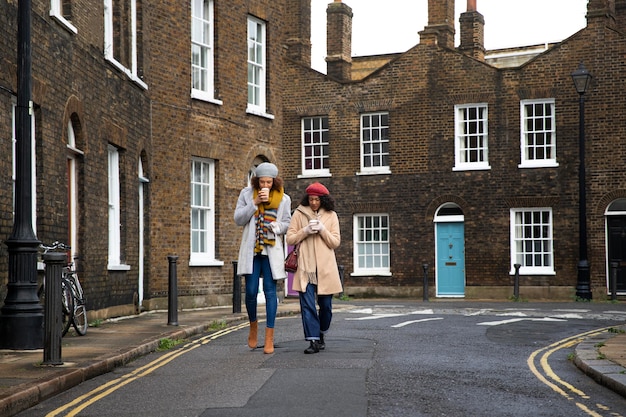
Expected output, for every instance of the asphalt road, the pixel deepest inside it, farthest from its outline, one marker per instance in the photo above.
(395, 359)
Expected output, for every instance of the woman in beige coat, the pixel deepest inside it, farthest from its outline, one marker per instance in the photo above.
(315, 226)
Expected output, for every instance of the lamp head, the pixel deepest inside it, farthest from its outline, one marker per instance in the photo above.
(582, 79)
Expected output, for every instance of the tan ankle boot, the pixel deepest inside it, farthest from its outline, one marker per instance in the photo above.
(269, 340)
(252, 336)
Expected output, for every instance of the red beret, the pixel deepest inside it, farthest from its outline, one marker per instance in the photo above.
(317, 189)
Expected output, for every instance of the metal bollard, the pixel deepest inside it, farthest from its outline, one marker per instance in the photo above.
(53, 314)
(516, 281)
(236, 290)
(425, 289)
(341, 272)
(614, 266)
(172, 293)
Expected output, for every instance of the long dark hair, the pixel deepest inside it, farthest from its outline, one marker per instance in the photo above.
(277, 184)
(326, 202)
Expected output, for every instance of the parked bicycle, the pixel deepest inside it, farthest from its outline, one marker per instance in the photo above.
(73, 297)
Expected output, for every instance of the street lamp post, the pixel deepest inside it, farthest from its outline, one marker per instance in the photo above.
(582, 79)
(21, 317)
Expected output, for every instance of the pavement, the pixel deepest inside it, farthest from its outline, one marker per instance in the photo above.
(25, 380)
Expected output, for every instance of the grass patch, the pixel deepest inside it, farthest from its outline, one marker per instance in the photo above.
(167, 343)
(95, 323)
(217, 325)
(615, 330)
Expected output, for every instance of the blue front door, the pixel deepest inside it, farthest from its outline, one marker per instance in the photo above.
(450, 273)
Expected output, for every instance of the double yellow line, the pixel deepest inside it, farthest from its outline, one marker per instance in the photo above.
(85, 400)
(552, 380)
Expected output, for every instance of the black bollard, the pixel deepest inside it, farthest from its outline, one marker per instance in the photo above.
(172, 294)
(516, 281)
(53, 313)
(341, 272)
(236, 290)
(425, 289)
(614, 266)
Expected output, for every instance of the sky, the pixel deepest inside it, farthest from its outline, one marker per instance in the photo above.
(390, 26)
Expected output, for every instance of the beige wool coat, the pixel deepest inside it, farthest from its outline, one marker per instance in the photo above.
(317, 251)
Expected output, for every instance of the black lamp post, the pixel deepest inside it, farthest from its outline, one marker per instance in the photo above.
(582, 79)
(21, 317)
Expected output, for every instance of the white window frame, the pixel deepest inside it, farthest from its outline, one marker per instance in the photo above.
(371, 250)
(202, 51)
(56, 13)
(109, 55)
(382, 131)
(537, 235)
(533, 162)
(115, 225)
(72, 172)
(471, 137)
(257, 67)
(315, 145)
(202, 213)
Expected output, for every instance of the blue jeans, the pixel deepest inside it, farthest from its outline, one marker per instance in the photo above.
(261, 266)
(313, 323)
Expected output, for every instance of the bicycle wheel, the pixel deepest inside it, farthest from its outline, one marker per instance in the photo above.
(67, 301)
(80, 311)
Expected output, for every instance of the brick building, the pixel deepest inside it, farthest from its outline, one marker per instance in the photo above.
(441, 155)
(448, 157)
(147, 123)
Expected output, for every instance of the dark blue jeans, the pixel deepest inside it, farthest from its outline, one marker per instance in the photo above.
(313, 323)
(261, 266)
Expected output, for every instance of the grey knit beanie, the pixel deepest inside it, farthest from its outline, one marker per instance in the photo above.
(266, 169)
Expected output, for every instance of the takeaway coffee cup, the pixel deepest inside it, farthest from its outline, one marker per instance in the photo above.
(265, 194)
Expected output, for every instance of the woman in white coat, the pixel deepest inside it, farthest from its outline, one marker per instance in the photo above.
(264, 211)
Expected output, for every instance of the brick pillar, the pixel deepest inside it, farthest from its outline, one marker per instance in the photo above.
(339, 41)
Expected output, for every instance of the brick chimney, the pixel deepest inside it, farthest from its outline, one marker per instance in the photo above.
(339, 41)
(472, 32)
(298, 38)
(601, 12)
(440, 29)
(620, 14)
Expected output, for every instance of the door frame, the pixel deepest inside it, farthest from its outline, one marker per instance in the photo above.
(616, 208)
(448, 213)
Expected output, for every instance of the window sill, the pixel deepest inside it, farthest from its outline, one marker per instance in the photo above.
(530, 271)
(118, 267)
(205, 262)
(315, 175)
(133, 77)
(546, 164)
(64, 22)
(477, 167)
(260, 113)
(371, 274)
(202, 96)
(381, 171)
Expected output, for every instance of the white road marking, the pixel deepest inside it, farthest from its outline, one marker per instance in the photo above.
(406, 323)
(497, 323)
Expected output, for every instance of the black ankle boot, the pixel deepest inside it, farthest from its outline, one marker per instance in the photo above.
(321, 345)
(314, 347)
